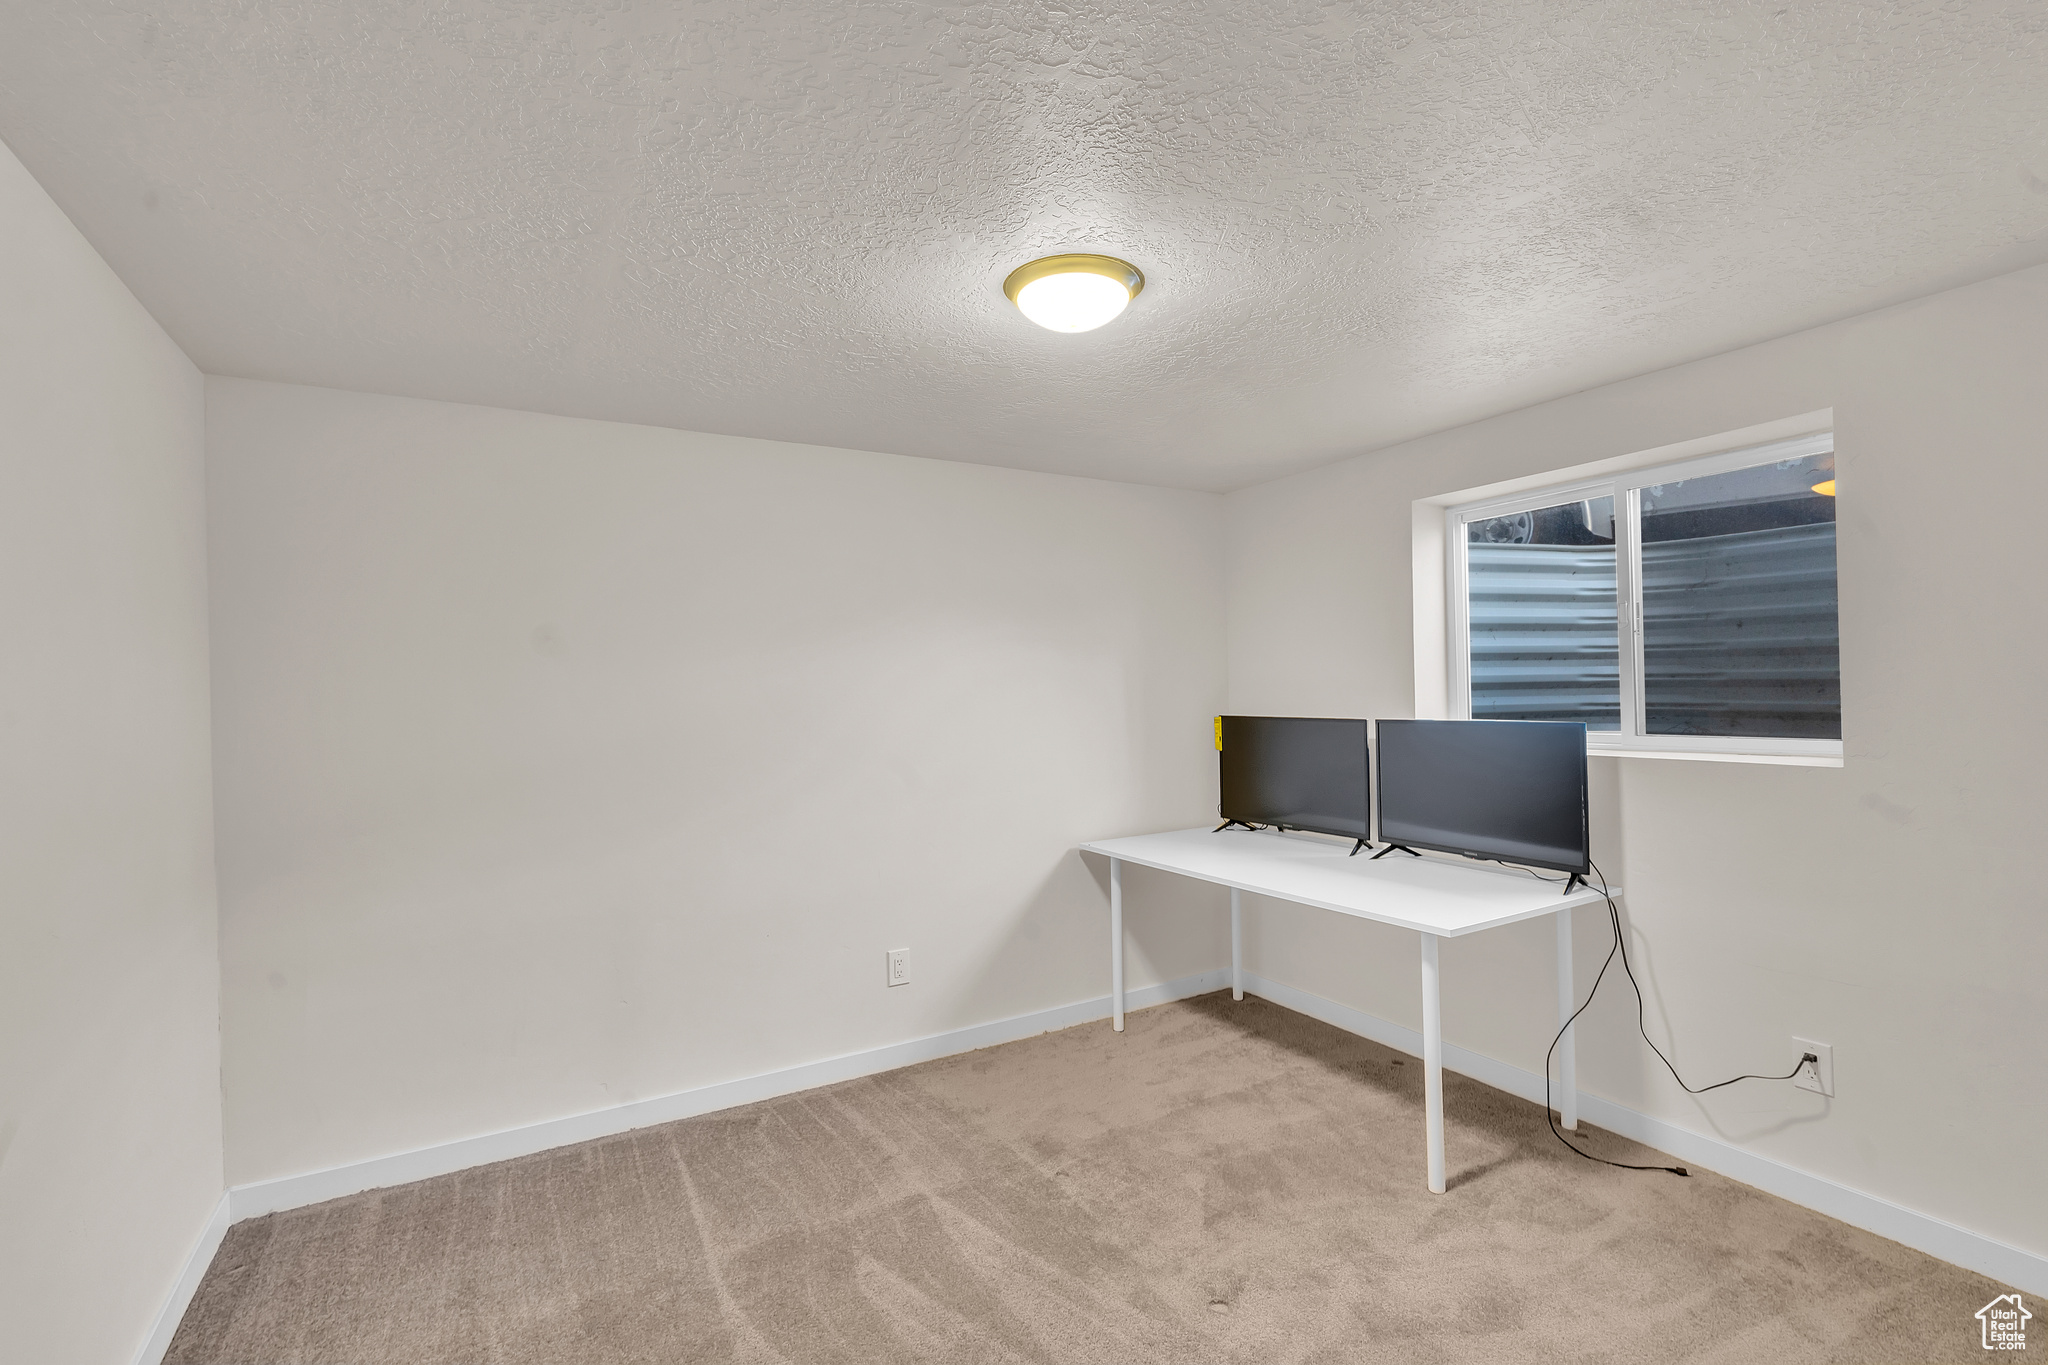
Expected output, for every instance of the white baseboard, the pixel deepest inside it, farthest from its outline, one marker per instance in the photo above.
(173, 1312)
(1959, 1246)
(2011, 1265)
(402, 1168)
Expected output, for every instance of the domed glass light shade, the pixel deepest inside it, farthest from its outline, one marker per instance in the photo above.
(1073, 293)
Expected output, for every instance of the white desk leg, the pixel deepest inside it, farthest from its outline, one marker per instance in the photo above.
(1116, 944)
(1567, 1053)
(1236, 946)
(1433, 1064)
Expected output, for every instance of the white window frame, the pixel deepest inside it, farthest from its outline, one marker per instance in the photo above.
(1626, 489)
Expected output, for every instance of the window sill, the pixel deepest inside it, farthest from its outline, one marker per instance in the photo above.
(1790, 760)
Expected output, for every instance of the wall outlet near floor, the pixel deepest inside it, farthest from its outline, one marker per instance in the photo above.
(899, 966)
(1818, 1075)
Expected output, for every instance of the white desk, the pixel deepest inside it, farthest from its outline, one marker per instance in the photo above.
(1435, 897)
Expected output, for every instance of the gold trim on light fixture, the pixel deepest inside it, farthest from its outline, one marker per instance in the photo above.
(1074, 263)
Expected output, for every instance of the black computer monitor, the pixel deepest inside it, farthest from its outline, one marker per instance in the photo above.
(1509, 790)
(1293, 772)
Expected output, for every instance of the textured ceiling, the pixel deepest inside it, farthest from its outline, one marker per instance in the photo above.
(1358, 221)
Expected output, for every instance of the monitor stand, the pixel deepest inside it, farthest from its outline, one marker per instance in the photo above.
(1357, 846)
(1575, 880)
(1249, 829)
(1391, 847)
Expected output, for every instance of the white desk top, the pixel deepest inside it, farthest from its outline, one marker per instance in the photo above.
(1429, 894)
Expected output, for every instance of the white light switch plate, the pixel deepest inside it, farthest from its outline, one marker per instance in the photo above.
(899, 966)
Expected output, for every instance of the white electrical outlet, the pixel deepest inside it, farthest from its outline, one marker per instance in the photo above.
(1819, 1074)
(899, 966)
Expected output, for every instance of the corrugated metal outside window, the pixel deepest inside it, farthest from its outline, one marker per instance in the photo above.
(1740, 634)
(1543, 635)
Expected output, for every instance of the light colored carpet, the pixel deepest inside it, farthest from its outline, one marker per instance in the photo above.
(1224, 1182)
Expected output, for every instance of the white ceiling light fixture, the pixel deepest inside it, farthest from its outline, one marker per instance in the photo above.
(1075, 292)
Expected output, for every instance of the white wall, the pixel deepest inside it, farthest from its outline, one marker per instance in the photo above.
(565, 763)
(110, 1152)
(1891, 907)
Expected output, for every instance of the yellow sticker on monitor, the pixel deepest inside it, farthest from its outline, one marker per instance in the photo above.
(1219, 732)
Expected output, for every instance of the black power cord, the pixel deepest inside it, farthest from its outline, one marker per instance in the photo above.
(1620, 947)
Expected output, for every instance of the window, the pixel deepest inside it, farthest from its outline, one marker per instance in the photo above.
(1688, 609)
